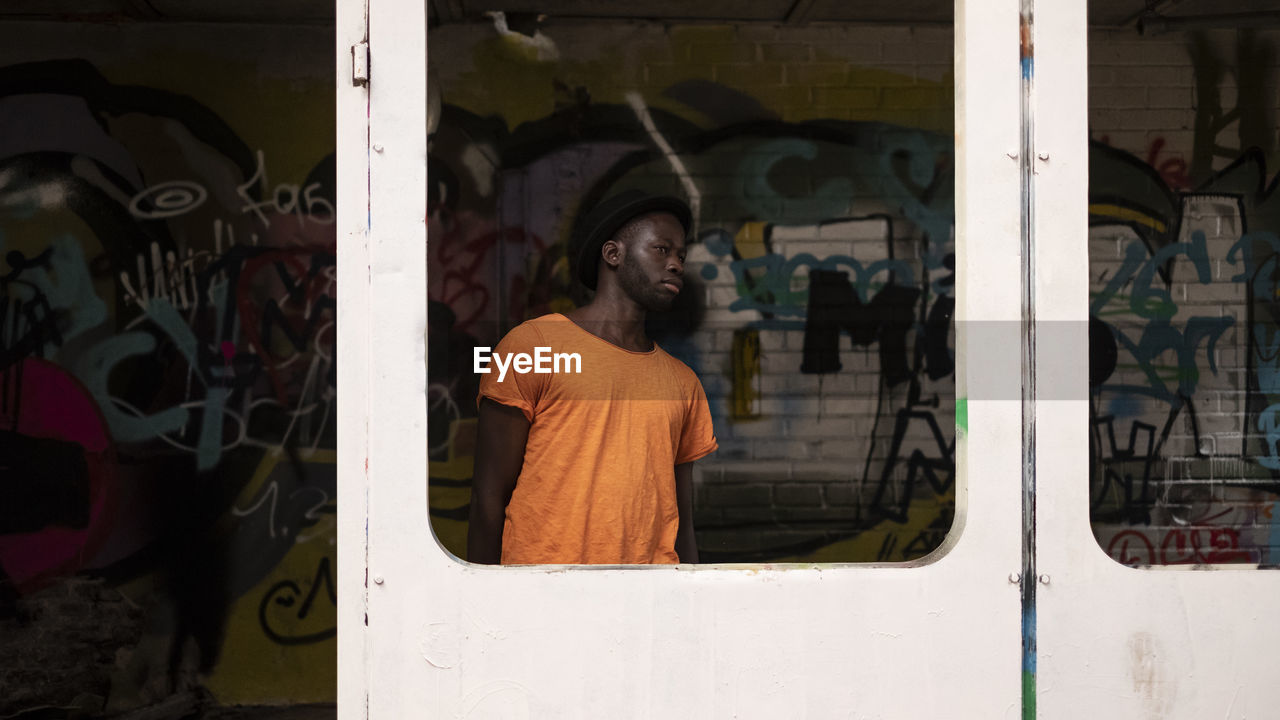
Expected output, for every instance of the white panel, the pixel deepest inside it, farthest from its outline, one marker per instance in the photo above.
(1115, 642)
(445, 639)
(352, 109)
(403, 639)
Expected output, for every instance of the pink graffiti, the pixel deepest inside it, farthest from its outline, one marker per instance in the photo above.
(51, 404)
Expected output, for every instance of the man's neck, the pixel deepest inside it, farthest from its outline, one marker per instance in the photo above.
(616, 320)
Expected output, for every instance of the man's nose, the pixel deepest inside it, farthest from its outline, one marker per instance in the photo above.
(675, 264)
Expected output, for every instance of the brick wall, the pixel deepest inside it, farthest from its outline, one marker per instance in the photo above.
(167, 469)
(830, 149)
(805, 150)
(1182, 256)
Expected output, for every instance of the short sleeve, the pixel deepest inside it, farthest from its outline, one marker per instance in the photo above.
(518, 390)
(698, 438)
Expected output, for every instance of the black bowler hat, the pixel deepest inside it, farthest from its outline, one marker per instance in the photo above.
(608, 217)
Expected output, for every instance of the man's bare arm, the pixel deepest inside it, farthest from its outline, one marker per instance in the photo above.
(501, 433)
(686, 542)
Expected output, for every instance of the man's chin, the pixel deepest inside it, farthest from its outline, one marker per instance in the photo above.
(663, 304)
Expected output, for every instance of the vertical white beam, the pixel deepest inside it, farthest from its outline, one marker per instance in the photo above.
(399, 537)
(1115, 642)
(352, 348)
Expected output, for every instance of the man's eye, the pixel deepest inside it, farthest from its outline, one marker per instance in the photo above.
(662, 250)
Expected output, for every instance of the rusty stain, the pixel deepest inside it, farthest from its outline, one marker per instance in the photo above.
(1024, 28)
(1149, 680)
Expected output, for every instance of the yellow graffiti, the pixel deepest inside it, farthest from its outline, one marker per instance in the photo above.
(507, 80)
(866, 545)
(1124, 214)
(749, 241)
(255, 669)
(746, 374)
(286, 116)
(449, 489)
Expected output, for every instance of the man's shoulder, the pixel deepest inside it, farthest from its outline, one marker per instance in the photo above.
(540, 321)
(550, 319)
(678, 368)
(533, 329)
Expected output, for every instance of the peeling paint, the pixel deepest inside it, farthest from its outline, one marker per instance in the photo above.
(501, 698)
(441, 645)
(1027, 227)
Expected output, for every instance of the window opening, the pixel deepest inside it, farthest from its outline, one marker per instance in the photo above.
(1184, 400)
(817, 308)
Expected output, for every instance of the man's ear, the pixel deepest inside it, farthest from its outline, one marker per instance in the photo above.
(611, 251)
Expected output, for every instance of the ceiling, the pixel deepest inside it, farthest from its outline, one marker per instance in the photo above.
(273, 12)
(1102, 13)
(1105, 13)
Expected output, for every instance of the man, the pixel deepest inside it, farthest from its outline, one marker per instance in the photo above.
(595, 466)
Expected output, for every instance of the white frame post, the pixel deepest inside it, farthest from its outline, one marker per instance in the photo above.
(352, 353)
(423, 635)
(1115, 642)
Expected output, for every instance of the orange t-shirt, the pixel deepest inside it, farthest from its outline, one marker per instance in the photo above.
(598, 480)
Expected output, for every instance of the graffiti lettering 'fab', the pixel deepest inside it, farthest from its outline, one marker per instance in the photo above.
(541, 362)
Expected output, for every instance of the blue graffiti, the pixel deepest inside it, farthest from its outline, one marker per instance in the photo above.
(1269, 424)
(1244, 247)
(66, 286)
(1156, 304)
(130, 425)
(1266, 352)
(871, 168)
(1147, 301)
(831, 199)
(95, 372)
(772, 292)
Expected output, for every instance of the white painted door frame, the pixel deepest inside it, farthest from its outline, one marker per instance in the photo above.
(1115, 642)
(352, 350)
(423, 635)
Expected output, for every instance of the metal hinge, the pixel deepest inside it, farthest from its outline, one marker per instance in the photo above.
(360, 64)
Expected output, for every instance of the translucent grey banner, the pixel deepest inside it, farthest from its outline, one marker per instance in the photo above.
(798, 356)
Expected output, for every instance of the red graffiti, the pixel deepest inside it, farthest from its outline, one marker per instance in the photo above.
(1173, 170)
(463, 268)
(1131, 548)
(287, 304)
(1204, 545)
(1192, 545)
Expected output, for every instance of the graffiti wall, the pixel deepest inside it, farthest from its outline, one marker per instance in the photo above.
(1183, 253)
(819, 286)
(167, 289)
(818, 162)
